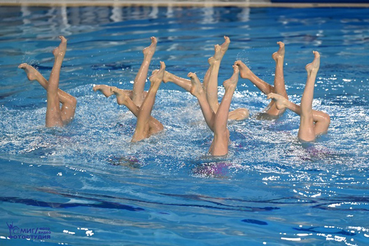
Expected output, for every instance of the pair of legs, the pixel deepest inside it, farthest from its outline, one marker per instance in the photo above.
(312, 122)
(137, 94)
(279, 86)
(139, 102)
(146, 124)
(210, 82)
(216, 120)
(56, 115)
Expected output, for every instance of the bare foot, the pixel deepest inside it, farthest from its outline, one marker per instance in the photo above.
(61, 49)
(122, 96)
(196, 88)
(245, 72)
(239, 114)
(168, 77)
(31, 72)
(220, 50)
(225, 44)
(105, 89)
(232, 81)
(280, 101)
(280, 53)
(313, 67)
(158, 75)
(150, 50)
(212, 61)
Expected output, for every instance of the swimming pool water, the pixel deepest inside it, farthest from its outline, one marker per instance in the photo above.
(86, 184)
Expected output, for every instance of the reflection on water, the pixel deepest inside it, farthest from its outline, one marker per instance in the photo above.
(63, 18)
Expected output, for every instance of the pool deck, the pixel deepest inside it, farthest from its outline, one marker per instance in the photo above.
(189, 3)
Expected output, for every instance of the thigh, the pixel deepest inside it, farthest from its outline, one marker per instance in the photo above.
(306, 129)
(238, 114)
(155, 126)
(322, 121)
(53, 113)
(68, 110)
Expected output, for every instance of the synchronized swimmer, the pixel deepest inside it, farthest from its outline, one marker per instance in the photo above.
(139, 102)
(61, 106)
(271, 111)
(55, 115)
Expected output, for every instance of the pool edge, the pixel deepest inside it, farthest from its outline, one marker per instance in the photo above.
(163, 3)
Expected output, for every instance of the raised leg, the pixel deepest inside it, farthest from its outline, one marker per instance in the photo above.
(306, 130)
(139, 82)
(221, 117)
(182, 82)
(219, 52)
(210, 82)
(279, 85)
(220, 143)
(246, 73)
(53, 113)
(108, 91)
(217, 122)
(142, 128)
(198, 91)
(104, 89)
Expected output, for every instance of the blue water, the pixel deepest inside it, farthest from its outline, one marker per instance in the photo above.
(86, 184)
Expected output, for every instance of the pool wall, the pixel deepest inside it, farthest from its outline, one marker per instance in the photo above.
(200, 3)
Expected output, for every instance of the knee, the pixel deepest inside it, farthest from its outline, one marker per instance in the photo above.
(244, 113)
(73, 102)
(239, 114)
(327, 118)
(321, 118)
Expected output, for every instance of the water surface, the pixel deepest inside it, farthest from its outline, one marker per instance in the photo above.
(86, 184)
